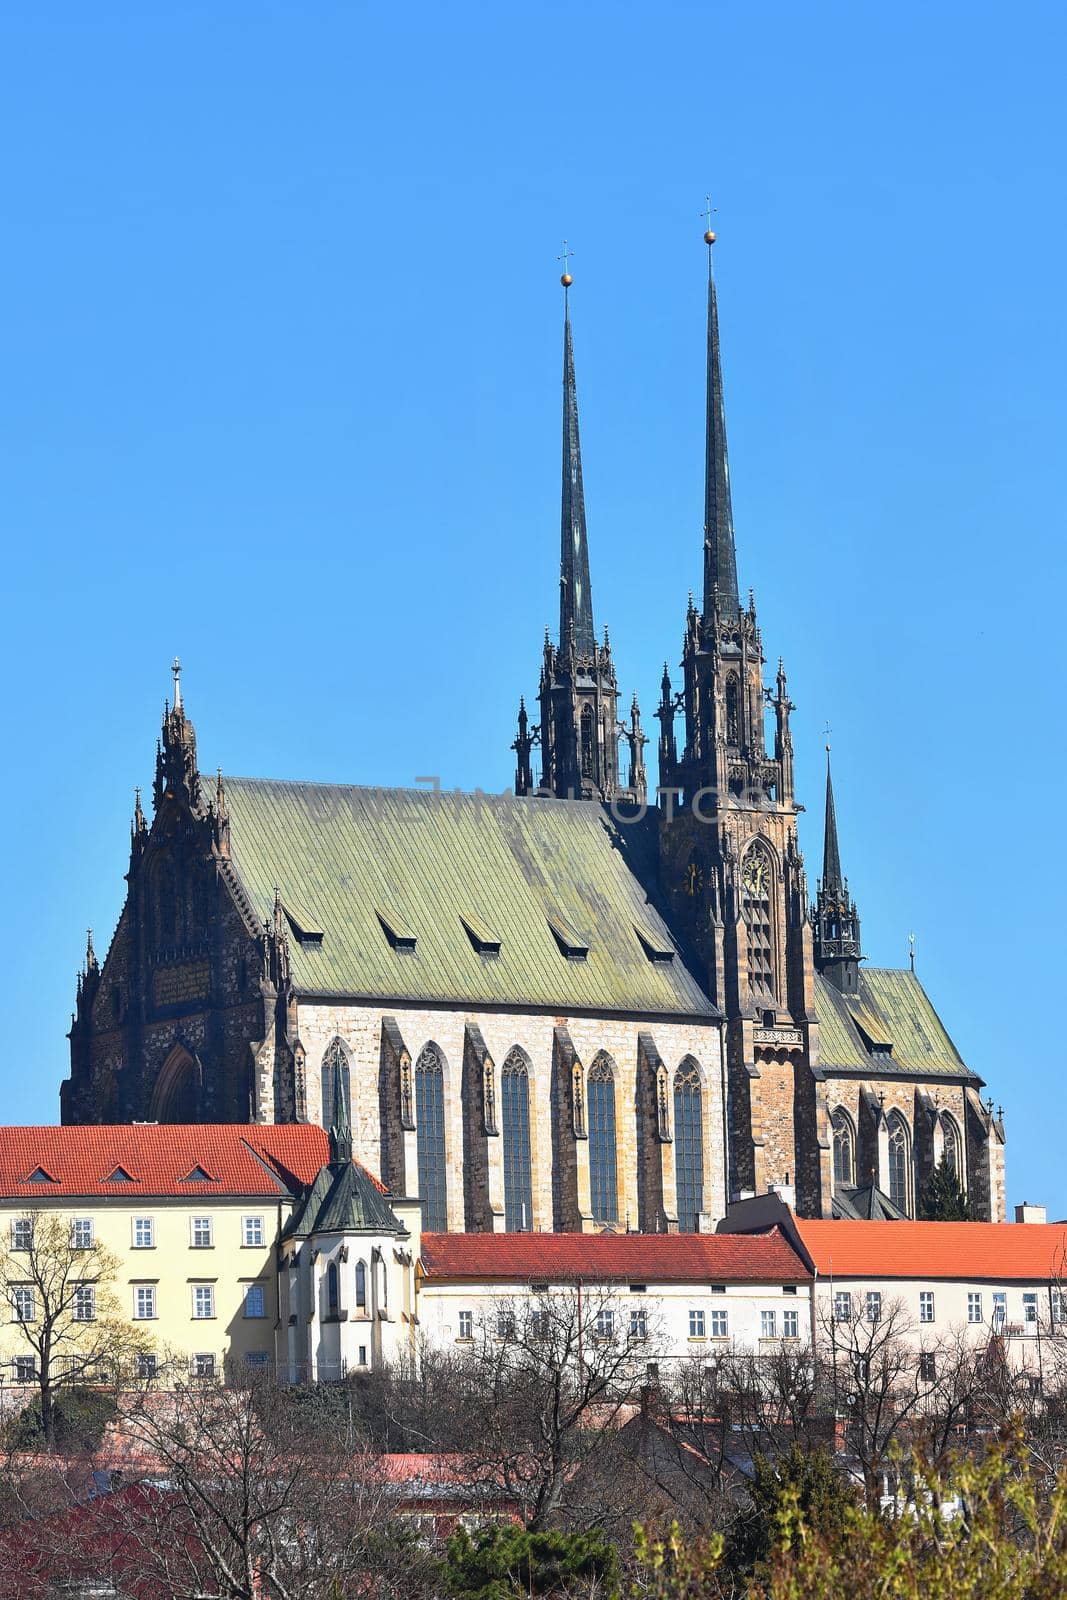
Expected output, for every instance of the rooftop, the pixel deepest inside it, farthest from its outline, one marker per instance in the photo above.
(997, 1252)
(608, 1258)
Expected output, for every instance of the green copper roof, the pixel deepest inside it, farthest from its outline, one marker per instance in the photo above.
(891, 1004)
(380, 887)
(342, 1199)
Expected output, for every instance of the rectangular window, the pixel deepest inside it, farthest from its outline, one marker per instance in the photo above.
(696, 1324)
(251, 1231)
(719, 1325)
(144, 1302)
(25, 1369)
(147, 1365)
(789, 1288)
(539, 1324)
(466, 1324)
(255, 1358)
(790, 1324)
(505, 1324)
(255, 1300)
(926, 1305)
(144, 1233)
(1059, 1306)
(82, 1233)
(23, 1304)
(974, 1307)
(84, 1304)
(928, 1366)
(639, 1323)
(201, 1233)
(767, 1325)
(874, 1305)
(203, 1300)
(203, 1365)
(1000, 1310)
(842, 1306)
(363, 1355)
(22, 1233)
(605, 1324)
(1029, 1307)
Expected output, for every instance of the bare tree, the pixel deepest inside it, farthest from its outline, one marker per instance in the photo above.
(61, 1293)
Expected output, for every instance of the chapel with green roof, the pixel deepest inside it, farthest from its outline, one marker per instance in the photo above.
(574, 1008)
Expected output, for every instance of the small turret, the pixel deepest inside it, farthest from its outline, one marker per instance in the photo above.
(835, 921)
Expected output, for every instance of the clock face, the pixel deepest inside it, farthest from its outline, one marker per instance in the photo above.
(694, 878)
(756, 875)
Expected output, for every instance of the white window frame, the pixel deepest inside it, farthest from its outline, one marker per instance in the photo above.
(146, 1367)
(23, 1303)
(874, 1305)
(974, 1306)
(927, 1304)
(143, 1225)
(638, 1322)
(252, 1225)
(842, 1305)
(1000, 1310)
(927, 1366)
(201, 1225)
(791, 1323)
(1059, 1305)
(78, 1228)
(768, 1325)
(83, 1303)
(203, 1364)
(697, 1323)
(25, 1369)
(259, 1289)
(466, 1325)
(22, 1229)
(720, 1323)
(144, 1295)
(1030, 1307)
(200, 1290)
(605, 1323)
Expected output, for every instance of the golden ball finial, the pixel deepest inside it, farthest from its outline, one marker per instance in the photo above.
(566, 280)
(709, 237)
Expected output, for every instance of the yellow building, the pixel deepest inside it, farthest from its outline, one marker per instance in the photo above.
(191, 1214)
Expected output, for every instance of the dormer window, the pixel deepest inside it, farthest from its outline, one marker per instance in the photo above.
(400, 936)
(570, 942)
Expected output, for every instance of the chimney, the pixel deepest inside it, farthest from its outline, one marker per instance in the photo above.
(1028, 1213)
(786, 1193)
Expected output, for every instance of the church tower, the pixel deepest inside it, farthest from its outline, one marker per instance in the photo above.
(834, 918)
(579, 731)
(731, 864)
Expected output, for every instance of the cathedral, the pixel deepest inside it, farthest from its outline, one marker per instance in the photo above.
(582, 1007)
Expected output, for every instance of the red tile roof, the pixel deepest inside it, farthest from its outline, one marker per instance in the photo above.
(608, 1257)
(999, 1252)
(242, 1159)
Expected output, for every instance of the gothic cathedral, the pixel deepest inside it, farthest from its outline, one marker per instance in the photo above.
(581, 1007)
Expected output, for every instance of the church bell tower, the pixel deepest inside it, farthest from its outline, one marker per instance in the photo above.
(579, 732)
(732, 868)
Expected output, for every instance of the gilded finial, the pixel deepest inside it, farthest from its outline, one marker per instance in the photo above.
(176, 668)
(709, 236)
(565, 277)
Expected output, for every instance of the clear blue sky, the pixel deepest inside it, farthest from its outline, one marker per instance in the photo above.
(280, 345)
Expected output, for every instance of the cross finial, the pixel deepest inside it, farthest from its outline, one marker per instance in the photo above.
(565, 277)
(826, 735)
(176, 668)
(707, 213)
(911, 951)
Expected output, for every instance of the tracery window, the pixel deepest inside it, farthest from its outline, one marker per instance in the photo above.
(899, 1160)
(844, 1150)
(336, 1056)
(361, 1285)
(953, 1155)
(603, 1172)
(587, 757)
(757, 885)
(430, 1138)
(688, 1145)
(733, 711)
(515, 1133)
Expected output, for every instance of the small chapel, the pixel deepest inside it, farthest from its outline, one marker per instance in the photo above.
(581, 1007)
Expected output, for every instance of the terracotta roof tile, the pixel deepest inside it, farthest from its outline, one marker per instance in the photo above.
(1000, 1252)
(243, 1159)
(629, 1258)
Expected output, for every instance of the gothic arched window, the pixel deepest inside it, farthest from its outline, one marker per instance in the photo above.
(361, 1286)
(733, 711)
(899, 1162)
(844, 1150)
(953, 1147)
(336, 1056)
(515, 1132)
(430, 1138)
(176, 1095)
(588, 746)
(757, 890)
(603, 1172)
(333, 1290)
(688, 1145)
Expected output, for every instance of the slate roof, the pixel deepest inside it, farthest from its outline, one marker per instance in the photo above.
(343, 1199)
(997, 1252)
(866, 1204)
(892, 1008)
(363, 871)
(238, 1159)
(620, 1257)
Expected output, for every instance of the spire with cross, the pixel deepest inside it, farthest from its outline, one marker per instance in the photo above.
(720, 560)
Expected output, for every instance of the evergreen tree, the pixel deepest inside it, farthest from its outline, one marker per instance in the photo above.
(507, 1563)
(942, 1199)
(804, 1479)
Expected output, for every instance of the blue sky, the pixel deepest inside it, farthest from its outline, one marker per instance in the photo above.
(281, 350)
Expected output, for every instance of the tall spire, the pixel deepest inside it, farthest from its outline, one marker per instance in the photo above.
(720, 560)
(831, 855)
(575, 597)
